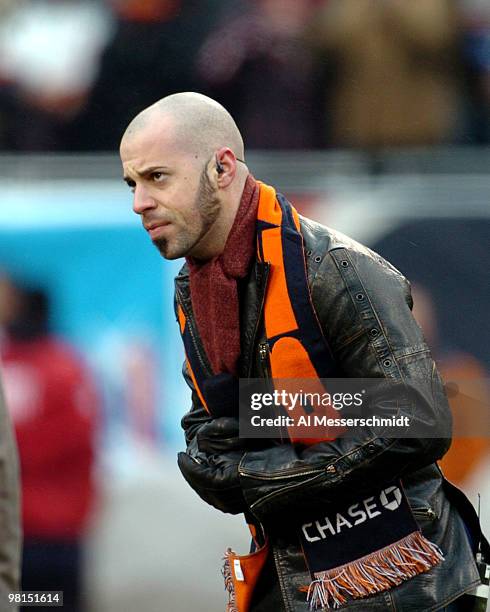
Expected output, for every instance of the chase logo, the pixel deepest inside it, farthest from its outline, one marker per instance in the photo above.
(391, 498)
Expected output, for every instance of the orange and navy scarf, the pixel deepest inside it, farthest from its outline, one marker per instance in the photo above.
(297, 346)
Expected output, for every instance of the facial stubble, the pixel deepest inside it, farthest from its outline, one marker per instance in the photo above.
(207, 206)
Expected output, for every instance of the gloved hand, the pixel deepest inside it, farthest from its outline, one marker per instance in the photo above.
(214, 478)
(219, 436)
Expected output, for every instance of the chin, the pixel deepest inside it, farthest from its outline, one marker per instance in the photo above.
(165, 250)
(172, 256)
(162, 247)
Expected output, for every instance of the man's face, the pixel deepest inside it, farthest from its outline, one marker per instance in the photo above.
(173, 194)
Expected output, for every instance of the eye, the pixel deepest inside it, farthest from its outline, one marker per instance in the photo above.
(131, 184)
(158, 177)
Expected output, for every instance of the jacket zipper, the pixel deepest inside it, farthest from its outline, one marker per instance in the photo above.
(264, 358)
(263, 350)
(261, 307)
(427, 512)
(290, 487)
(279, 475)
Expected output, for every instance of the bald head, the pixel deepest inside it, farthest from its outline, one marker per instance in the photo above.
(200, 125)
(179, 158)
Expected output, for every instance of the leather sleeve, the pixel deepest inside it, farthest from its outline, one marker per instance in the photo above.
(197, 416)
(213, 451)
(364, 306)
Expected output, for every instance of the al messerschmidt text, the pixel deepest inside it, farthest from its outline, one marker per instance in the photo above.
(316, 420)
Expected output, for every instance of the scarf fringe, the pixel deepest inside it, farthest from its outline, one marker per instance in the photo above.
(379, 571)
(228, 578)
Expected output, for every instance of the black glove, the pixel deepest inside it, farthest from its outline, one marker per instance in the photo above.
(219, 436)
(215, 479)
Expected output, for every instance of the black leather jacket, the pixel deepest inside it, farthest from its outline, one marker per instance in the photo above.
(364, 306)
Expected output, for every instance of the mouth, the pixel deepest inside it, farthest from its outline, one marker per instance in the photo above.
(155, 229)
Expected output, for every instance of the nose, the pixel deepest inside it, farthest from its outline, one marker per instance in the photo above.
(142, 201)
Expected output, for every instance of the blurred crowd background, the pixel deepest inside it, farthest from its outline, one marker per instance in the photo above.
(372, 116)
(296, 74)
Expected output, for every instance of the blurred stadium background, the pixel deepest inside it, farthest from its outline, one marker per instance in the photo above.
(373, 118)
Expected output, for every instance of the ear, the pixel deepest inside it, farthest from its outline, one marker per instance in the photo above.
(226, 167)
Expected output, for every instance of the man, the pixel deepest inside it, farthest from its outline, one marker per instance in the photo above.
(183, 158)
(53, 406)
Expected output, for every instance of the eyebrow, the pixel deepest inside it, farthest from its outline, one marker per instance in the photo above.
(146, 172)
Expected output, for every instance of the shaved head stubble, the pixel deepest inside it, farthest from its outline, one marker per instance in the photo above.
(202, 125)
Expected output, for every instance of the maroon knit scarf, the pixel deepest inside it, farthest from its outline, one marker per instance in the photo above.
(214, 289)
